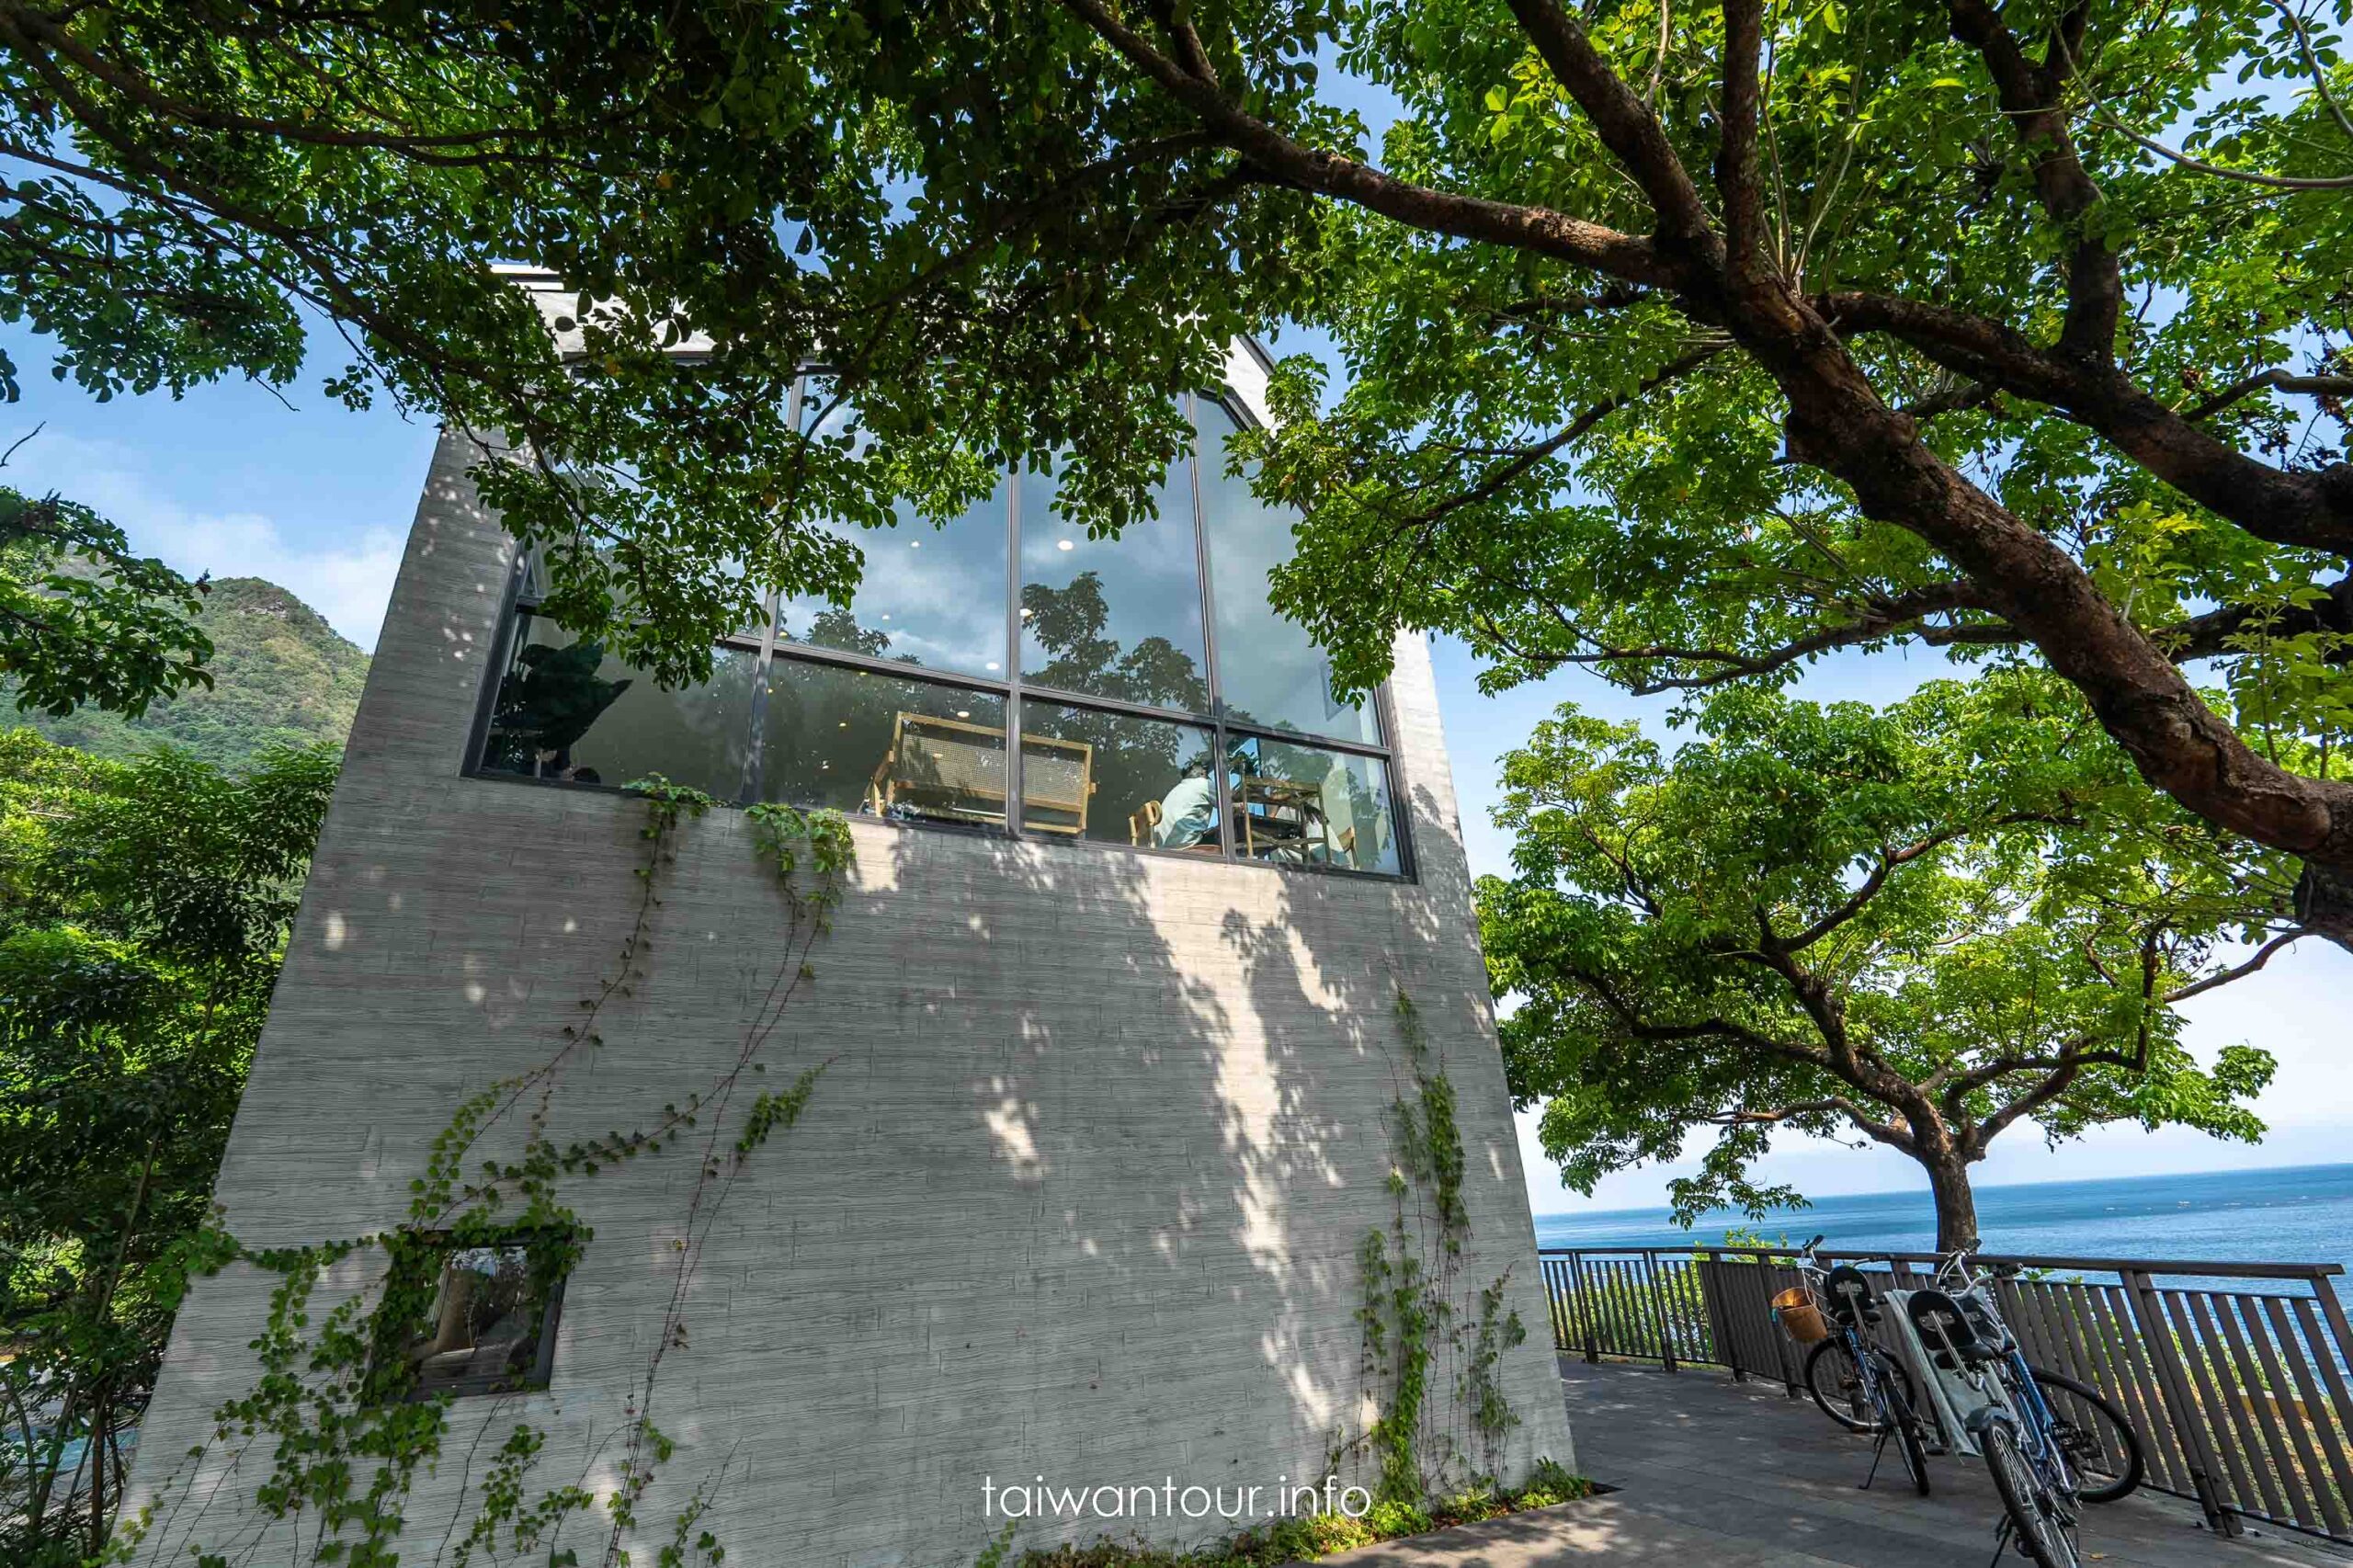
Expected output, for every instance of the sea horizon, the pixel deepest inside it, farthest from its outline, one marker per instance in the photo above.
(2258, 1214)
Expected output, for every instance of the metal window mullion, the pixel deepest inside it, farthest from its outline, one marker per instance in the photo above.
(1013, 797)
(1065, 698)
(1311, 743)
(789, 651)
(1220, 760)
(755, 758)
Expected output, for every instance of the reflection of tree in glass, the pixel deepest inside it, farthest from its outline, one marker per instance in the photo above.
(1069, 623)
(837, 627)
(548, 702)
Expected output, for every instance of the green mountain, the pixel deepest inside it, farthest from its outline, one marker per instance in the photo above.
(281, 675)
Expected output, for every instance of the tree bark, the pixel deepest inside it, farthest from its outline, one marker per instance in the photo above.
(1956, 1204)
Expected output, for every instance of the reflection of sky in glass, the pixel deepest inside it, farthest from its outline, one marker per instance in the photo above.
(933, 597)
(1134, 629)
(1272, 673)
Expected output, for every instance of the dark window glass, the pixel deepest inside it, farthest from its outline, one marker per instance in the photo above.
(1115, 618)
(566, 710)
(1117, 778)
(485, 1321)
(930, 595)
(1272, 673)
(1296, 805)
(906, 749)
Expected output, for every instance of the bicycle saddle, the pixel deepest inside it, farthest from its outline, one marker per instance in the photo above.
(1850, 1295)
(1947, 1332)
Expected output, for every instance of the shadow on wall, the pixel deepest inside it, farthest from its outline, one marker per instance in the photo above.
(1083, 1193)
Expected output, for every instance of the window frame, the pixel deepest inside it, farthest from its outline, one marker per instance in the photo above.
(1012, 690)
(442, 1242)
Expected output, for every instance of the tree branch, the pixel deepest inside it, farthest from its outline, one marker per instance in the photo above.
(2277, 381)
(1736, 157)
(1627, 126)
(1523, 459)
(1591, 245)
(2031, 99)
(2309, 511)
(2240, 972)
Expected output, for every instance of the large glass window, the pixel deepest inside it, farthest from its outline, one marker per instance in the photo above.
(930, 595)
(566, 710)
(1296, 805)
(1127, 702)
(1118, 618)
(1118, 777)
(1274, 673)
(904, 749)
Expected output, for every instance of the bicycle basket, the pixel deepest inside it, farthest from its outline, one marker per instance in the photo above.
(1801, 1315)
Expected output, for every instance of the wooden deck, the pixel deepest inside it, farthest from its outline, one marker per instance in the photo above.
(1719, 1474)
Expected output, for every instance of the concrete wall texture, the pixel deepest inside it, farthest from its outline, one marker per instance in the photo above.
(1081, 1195)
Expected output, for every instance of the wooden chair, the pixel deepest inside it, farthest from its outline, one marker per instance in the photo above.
(953, 770)
(1143, 823)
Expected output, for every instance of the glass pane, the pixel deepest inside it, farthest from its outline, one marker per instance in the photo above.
(1272, 674)
(538, 581)
(482, 1332)
(566, 710)
(930, 595)
(1117, 779)
(1297, 805)
(1115, 618)
(906, 749)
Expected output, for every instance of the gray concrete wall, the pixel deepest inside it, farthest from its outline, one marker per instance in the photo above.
(1081, 1195)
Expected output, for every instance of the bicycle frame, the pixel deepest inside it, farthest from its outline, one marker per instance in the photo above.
(2004, 1388)
(1859, 1346)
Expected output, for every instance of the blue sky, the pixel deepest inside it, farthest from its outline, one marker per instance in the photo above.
(235, 481)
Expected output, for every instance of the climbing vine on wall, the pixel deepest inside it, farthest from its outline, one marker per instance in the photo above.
(333, 1414)
(1417, 1322)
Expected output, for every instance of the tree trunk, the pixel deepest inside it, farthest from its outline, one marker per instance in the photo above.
(1956, 1204)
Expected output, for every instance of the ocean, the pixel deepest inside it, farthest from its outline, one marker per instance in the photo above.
(2290, 1214)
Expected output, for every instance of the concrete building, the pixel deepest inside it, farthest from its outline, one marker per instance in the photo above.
(1108, 1115)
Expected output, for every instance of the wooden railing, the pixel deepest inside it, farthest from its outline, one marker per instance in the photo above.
(2234, 1374)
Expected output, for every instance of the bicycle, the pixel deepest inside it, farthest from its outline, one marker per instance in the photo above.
(1857, 1384)
(2050, 1442)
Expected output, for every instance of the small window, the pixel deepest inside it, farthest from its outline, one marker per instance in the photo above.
(470, 1318)
(1296, 805)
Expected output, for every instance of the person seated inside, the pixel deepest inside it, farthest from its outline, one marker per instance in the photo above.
(1189, 811)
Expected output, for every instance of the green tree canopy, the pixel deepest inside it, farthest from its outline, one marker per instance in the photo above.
(143, 910)
(1686, 342)
(1920, 927)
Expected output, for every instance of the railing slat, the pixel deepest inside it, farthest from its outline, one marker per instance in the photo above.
(2332, 1415)
(2202, 1341)
(2143, 1400)
(2253, 1395)
(2275, 1349)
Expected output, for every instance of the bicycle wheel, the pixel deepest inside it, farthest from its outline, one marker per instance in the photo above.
(2093, 1436)
(1908, 1435)
(2043, 1529)
(1837, 1384)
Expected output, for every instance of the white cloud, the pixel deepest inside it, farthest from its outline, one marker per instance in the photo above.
(348, 579)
